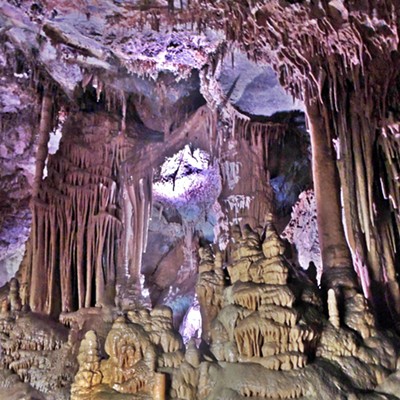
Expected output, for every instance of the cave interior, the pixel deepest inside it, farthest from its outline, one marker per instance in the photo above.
(199, 200)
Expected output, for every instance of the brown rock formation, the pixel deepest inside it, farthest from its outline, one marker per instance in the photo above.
(77, 220)
(88, 375)
(209, 288)
(260, 318)
(144, 81)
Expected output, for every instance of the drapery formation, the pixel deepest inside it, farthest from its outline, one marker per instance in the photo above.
(138, 206)
(344, 60)
(247, 196)
(242, 148)
(77, 219)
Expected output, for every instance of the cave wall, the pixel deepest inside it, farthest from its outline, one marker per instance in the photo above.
(18, 119)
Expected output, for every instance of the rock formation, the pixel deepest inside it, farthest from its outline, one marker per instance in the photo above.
(150, 153)
(259, 323)
(132, 359)
(88, 375)
(302, 231)
(82, 206)
(209, 288)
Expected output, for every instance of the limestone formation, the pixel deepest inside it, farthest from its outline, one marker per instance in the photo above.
(76, 203)
(14, 297)
(264, 325)
(135, 133)
(302, 231)
(4, 307)
(209, 288)
(169, 343)
(186, 379)
(132, 359)
(88, 375)
(36, 350)
(334, 317)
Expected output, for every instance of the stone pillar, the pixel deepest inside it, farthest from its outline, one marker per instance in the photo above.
(159, 391)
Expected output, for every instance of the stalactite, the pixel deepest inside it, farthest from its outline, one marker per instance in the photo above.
(77, 216)
(140, 198)
(354, 99)
(361, 187)
(134, 245)
(123, 121)
(244, 128)
(142, 218)
(44, 135)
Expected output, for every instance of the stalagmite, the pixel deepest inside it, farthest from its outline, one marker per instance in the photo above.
(159, 392)
(209, 288)
(5, 305)
(14, 297)
(88, 375)
(333, 310)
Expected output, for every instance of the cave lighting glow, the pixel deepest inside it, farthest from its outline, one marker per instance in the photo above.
(191, 324)
(187, 177)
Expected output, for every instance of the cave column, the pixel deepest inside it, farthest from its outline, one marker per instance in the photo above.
(39, 273)
(336, 256)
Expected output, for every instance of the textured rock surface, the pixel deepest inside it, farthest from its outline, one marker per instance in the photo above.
(302, 231)
(145, 85)
(258, 323)
(254, 88)
(17, 152)
(269, 339)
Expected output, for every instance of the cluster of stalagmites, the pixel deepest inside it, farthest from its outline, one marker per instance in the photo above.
(270, 336)
(353, 341)
(142, 348)
(266, 333)
(140, 345)
(251, 321)
(33, 347)
(258, 322)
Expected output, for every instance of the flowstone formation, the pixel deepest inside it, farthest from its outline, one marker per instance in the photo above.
(259, 322)
(139, 347)
(36, 350)
(269, 338)
(209, 288)
(272, 340)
